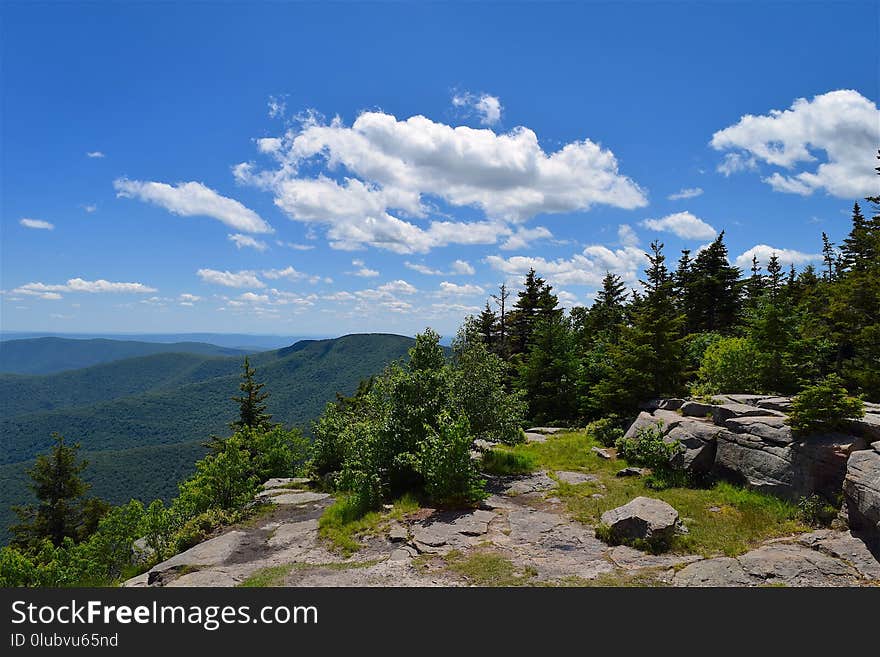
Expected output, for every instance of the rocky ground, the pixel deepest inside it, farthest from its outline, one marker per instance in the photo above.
(522, 530)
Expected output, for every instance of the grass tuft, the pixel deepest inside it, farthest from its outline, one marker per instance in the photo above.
(344, 523)
(486, 568)
(506, 462)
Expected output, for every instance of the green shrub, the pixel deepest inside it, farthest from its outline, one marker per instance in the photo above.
(451, 478)
(194, 530)
(225, 480)
(647, 448)
(824, 406)
(729, 365)
(504, 462)
(606, 430)
(814, 510)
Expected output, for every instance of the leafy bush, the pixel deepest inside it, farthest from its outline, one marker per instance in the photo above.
(504, 462)
(362, 468)
(606, 430)
(451, 478)
(478, 383)
(824, 406)
(195, 529)
(647, 448)
(729, 365)
(412, 428)
(816, 511)
(225, 480)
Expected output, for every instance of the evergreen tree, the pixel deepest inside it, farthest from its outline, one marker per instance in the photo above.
(828, 257)
(684, 288)
(715, 290)
(487, 326)
(755, 285)
(252, 406)
(648, 360)
(501, 301)
(770, 329)
(859, 247)
(60, 491)
(535, 301)
(548, 373)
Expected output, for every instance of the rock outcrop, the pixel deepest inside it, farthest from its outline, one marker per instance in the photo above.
(745, 438)
(644, 519)
(861, 489)
(822, 558)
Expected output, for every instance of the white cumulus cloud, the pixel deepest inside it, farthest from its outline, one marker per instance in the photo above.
(467, 289)
(843, 126)
(242, 241)
(189, 199)
(487, 107)
(463, 267)
(231, 279)
(99, 286)
(685, 193)
(586, 268)
(683, 224)
(375, 175)
(786, 257)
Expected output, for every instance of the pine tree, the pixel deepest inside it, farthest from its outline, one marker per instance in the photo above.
(648, 360)
(715, 290)
(755, 285)
(548, 372)
(770, 329)
(252, 406)
(487, 326)
(534, 302)
(828, 257)
(859, 247)
(60, 491)
(501, 301)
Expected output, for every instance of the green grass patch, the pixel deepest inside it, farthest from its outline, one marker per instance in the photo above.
(741, 518)
(643, 577)
(343, 523)
(271, 576)
(507, 462)
(488, 569)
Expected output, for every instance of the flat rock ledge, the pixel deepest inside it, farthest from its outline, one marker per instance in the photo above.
(823, 558)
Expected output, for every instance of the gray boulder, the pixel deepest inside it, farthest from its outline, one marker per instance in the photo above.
(867, 427)
(643, 419)
(724, 412)
(696, 409)
(782, 404)
(644, 518)
(698, 446)
(861, 489)
(771, 428)
(763, 455)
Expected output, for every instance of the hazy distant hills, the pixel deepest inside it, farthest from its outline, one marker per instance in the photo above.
(48, 355)
(140, 420)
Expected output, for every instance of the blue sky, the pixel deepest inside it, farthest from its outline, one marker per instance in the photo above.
(324, 169)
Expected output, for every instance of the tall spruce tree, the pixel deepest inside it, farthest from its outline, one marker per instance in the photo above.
(648, 360)
(252, 402)
(771, 330)
(487, 326)
(60, 490)
(503, 328)
(715, 290)
(534, 302)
